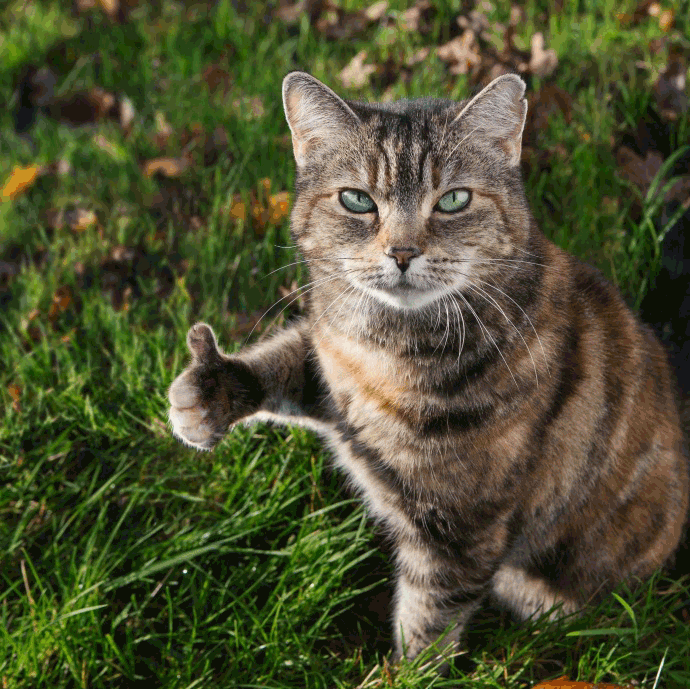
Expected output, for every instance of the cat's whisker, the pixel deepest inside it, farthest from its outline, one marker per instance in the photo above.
(307, 288)
(488, 334)
(491, 300)
(345, 291)
(507, 296)
(310, 260)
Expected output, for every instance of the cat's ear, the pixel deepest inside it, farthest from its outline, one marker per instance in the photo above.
(315, 114)
(498, 112)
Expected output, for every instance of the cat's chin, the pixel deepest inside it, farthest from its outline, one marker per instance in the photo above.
(406, 297)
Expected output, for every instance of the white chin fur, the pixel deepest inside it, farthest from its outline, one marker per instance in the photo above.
(410, 300)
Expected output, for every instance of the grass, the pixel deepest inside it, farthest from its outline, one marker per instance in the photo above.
(128, 560)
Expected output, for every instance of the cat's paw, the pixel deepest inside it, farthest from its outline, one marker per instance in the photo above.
(204, 398)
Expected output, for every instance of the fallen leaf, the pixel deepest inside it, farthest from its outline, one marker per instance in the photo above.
(168, 167)
(216, 78)
(338, 24)
(418, 18)
(20, 179)
(279, 206)
(127, 114)
(110, 7)
(666, 20)
(376, 11)
(163, 130)
(542, 62)
(84, 107)
(15, 393)
(77, 219)
(356, 74)
(238, 208)
(250, 107)
(61, 301)
(564, 683)
(462, 53)
(549, 100)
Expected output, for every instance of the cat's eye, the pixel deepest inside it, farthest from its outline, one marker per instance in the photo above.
(453, 201)
(357, 201)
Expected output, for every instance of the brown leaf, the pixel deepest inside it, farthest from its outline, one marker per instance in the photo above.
(565, 683)
(15, 392)
(168, 167)
(462, 53)
(279, 206)
(418, 18)
(216, 79)
(163, 130)
(20, 179)
(542, 62)
(357, 74)
(642, 171)
(338, 24)
(127, 114)
(376, 11)
(85, 107)
(549, 100)
(110, 7)
(77, 220)
(61, 301)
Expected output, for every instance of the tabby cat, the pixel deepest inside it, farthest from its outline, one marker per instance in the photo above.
(506, 418)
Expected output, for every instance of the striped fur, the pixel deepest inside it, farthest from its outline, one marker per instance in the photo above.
(503, 414)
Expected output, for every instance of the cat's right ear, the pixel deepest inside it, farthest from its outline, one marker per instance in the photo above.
(315, 114)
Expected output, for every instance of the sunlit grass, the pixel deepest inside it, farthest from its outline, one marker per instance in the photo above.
(127, 559)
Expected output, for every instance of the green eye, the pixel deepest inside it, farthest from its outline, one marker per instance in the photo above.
(453, 201)
(357, 201)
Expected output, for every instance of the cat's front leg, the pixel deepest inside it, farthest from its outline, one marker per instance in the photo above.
(434, 600)
(211, 393)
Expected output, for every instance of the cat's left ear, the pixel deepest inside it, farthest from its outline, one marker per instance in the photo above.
(317, 117)
(498, 113)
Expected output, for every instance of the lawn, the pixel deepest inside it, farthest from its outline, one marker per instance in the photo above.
(145, 171)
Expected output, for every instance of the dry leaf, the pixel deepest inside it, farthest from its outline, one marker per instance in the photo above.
(163, 130)
(356, 74)
(376, 11)
(564, 683)
(417, 18)
(216, 78)
(238, 208)
(542, 62)
(15, 393)
(462, 53)
(19, 181)
(666, 20)
(168, 167)
(78, 219)
(127, 114)
(61, 301)
(279, 206)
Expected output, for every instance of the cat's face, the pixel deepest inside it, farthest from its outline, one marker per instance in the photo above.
(412, 201)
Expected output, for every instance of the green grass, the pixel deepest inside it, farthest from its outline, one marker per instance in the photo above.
(128, 560)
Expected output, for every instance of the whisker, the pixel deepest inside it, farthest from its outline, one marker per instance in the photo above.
(310, 260)
(307, 288)
(495, 303)
(489, 284)
(485, 330)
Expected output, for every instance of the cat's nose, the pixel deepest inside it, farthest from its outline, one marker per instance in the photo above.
(402, 255)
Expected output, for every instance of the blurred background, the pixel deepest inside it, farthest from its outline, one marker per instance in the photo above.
(145, 183)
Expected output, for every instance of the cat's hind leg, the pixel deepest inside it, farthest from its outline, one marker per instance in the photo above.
(529, 595)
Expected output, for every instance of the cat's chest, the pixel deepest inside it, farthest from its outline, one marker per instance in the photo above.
(367, 385)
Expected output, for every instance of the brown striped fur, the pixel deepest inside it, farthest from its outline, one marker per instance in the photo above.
(502, 412)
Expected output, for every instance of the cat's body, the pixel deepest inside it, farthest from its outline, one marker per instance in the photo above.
(503, 414)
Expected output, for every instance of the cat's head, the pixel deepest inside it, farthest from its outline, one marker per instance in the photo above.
(412, 200)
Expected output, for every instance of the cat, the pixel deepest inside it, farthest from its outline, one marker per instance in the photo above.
(504, 415)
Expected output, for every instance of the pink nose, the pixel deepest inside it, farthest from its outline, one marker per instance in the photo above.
(402, 255)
